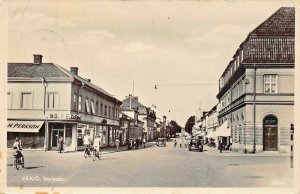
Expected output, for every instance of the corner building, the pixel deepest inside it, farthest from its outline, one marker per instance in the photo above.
(45, 101)
(256, 90)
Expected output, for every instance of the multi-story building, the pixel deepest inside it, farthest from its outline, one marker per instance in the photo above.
(256, 92)
(131, 127)
(45, 101)
(145, 114)
(212, 122)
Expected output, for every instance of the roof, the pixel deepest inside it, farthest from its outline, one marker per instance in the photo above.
(134, 103)
(281, 23)
(48, 71)
(31, 70)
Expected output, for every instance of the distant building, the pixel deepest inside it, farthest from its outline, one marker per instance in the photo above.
(145, 114)
(256, 92)
(45, 101)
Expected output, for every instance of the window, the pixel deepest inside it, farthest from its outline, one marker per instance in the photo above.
(93, 108)
(9, 99)
(79, 103)
(270, 83)
(101, 109)
(87, 107)
(74, 101)
(97, 108)
(105, 111)
(26, 100)
(52, 101)
(109, 112)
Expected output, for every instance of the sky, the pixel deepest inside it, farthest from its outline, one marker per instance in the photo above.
(128, 47)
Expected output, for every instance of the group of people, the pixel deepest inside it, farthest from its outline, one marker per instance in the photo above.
(182, 142)
(134, 143)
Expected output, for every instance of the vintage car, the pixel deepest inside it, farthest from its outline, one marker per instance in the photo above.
(195, 144)
(161, 142)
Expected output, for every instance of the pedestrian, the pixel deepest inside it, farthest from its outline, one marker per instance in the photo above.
(175, 142)
(60, 144)
(117, 144)
(144, 142)
(137, 143)
(221, 145)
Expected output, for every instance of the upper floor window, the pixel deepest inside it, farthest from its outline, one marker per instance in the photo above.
(93, 108)
(9, 100)
(26, 100)
(79, 103)
(52, 100)
(74, 101)
(97, 108)
(270, 83)
(105, 111)
(101, 109)
(87, 107)
(109, 112)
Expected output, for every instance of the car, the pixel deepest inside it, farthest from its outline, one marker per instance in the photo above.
(161, 142)
(195, 144)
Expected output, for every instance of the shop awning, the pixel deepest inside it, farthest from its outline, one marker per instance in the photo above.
(24, 126)
(223, 131)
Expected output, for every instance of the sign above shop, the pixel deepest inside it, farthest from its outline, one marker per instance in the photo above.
(24, 126)
(64, 116)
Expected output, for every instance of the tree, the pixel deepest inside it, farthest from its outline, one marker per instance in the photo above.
(175, 128)
(189, 124)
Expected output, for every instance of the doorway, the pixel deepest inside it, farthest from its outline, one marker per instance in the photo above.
(270, 133)
(56, 133)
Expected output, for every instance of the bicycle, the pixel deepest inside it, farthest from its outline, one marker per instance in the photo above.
(87, 152)
(96, 154)
(18, 160)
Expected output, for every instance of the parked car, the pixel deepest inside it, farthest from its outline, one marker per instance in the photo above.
(161, 142)
(195, 144)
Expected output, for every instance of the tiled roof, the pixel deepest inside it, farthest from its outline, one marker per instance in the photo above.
(281, 23)
(274, 40)
(47, 70)
(30, 70)
(134, 103)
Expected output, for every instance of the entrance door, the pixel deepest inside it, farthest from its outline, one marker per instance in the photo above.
(56, 133)
(270, 134)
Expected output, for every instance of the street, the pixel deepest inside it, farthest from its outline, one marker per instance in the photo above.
(150, 167)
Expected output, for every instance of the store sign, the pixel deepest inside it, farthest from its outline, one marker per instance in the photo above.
(270, 120)
(65, 116)
(24, 126)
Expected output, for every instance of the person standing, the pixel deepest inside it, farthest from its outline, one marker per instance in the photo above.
(117, 144)
(144, 142)
(137, 143)
(60, 144)
(221, 145)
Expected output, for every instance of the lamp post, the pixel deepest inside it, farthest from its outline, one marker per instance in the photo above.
(254, 111)
(44, 112)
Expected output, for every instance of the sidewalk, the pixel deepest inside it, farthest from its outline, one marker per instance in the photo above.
(213, 151)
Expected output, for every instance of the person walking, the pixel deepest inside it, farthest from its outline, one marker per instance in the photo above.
(144, 142)
(60, 144)
(117, 144)
(175, 143)
(137, 143)
(221, 145)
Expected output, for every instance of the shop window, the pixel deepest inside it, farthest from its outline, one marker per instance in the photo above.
(79, 103)
(87, 107)
(270, 83)
(26, 100)
(52, 100)
(68, 135)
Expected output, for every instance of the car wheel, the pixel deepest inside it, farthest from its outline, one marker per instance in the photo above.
(189, 149)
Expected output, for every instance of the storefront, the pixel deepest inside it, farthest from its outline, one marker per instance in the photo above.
(30, 133)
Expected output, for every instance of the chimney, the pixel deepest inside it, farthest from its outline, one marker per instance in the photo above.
(74, 70)
(37, 59)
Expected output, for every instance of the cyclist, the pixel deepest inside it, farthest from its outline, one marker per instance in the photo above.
(97, 143)
(87, 143)
(18, 147)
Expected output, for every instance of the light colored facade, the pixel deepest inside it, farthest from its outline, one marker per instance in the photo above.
(256, 93)
(59, 103)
